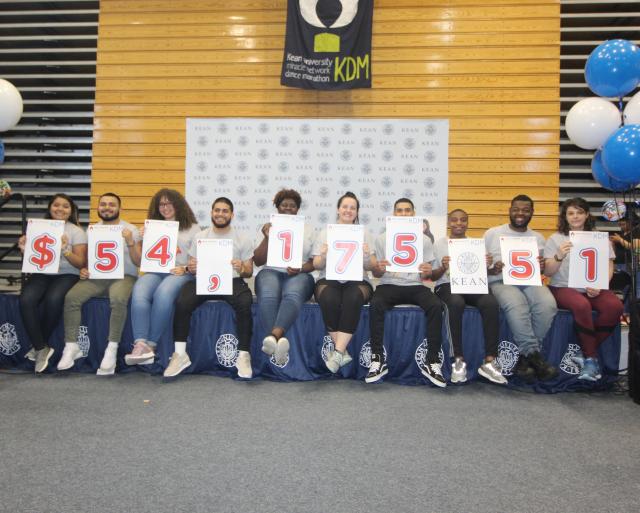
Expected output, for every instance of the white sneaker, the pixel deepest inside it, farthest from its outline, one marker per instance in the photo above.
(243, 364)
(334, 361)
(108, 363)
(177, 364)
(269, 344)
(31, 355)
(282, 351)
(70, 354)
(458, 371)
(493, 372)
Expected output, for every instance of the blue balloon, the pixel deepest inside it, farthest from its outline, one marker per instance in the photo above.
(621, 154)
(602, 177)
(613, 68)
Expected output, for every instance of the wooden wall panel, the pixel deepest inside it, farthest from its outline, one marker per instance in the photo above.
(490, 66)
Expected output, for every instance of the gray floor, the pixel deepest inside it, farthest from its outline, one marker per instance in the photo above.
(132, 443)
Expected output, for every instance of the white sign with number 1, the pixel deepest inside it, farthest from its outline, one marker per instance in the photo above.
(589, 260)
(286, 241)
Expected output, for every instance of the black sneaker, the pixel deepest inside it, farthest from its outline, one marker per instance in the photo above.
(377, 369)
(433, 372)
(524, 371)
(543, 369)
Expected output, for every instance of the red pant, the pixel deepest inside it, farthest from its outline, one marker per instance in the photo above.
(591, 332)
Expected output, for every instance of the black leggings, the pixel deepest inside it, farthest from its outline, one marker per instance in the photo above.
(487, 304)
(240, 301)
(341, 303)
(47, 290)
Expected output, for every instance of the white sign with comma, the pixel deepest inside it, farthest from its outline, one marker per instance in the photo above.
(159, 246)
(214, 275)
(344, 252)
(467, 266)
(286, 241)
(42, 246)
(589, 260)
(404, 244)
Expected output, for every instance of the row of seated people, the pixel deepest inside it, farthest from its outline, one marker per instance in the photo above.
(281, 292)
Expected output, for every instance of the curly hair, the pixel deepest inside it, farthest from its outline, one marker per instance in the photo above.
(184, 214)
(73, 217)
(579, 203)
(284, 194)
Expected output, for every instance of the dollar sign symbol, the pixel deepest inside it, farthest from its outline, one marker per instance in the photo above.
(44, 256)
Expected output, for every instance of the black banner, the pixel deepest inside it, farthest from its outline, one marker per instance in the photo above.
(328, 44)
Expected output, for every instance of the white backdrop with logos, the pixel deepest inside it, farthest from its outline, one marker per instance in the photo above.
(380, 160)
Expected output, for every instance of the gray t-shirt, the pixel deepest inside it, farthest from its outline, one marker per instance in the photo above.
(307, 246)
(76, 235)
(129, 267)
(402, 279)
(440, 250)
(492, 242)
(242, 247)
(322, 239)
(561, 277)
(184, 244)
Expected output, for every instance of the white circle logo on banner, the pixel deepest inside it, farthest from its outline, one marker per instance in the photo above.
(84, 342)
(227, 349)
(9, 343)
(567, 364)
(508, 354)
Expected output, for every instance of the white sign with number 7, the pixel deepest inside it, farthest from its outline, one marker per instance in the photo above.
(344, 252)
(589, 260)
(286, 241)
(520, 259)
(159, 246)
(404, 244)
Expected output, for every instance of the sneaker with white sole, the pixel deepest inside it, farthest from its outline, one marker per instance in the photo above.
(42, 358)
(433, 372)
(346, 358)
(243, 364)
(31, 355)
(177, 364)
(493, 372)
(334, 361)
(458, 371)
(591, 370)
(269, 344)
(108, 363)
(282, 351)
(377, 369)
(70, 354)
(142, 354)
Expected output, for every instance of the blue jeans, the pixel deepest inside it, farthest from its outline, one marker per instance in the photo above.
(280, 297)
(529, 311)
(152, 303)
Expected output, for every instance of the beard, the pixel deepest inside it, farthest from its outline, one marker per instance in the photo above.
(219, 225)
(107, 217)
(523, 224)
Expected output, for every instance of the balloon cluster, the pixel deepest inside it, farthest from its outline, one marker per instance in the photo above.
(612, 70)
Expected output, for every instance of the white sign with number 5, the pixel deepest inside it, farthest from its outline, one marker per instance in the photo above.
(106, 252)
(286, 241)
(404, 244)
(520, 259)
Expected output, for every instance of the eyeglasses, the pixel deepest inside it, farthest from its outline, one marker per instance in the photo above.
(165, 204)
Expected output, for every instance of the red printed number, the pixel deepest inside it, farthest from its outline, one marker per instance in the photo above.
(521, 264)
(107, 260)
(348, 248)
(160, 251)
(405, 252)
(590, 256)
(287, 249)
(214, 283)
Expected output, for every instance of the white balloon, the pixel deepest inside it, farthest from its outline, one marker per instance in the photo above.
(632, 111)
(10, 105)
(591, 121)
